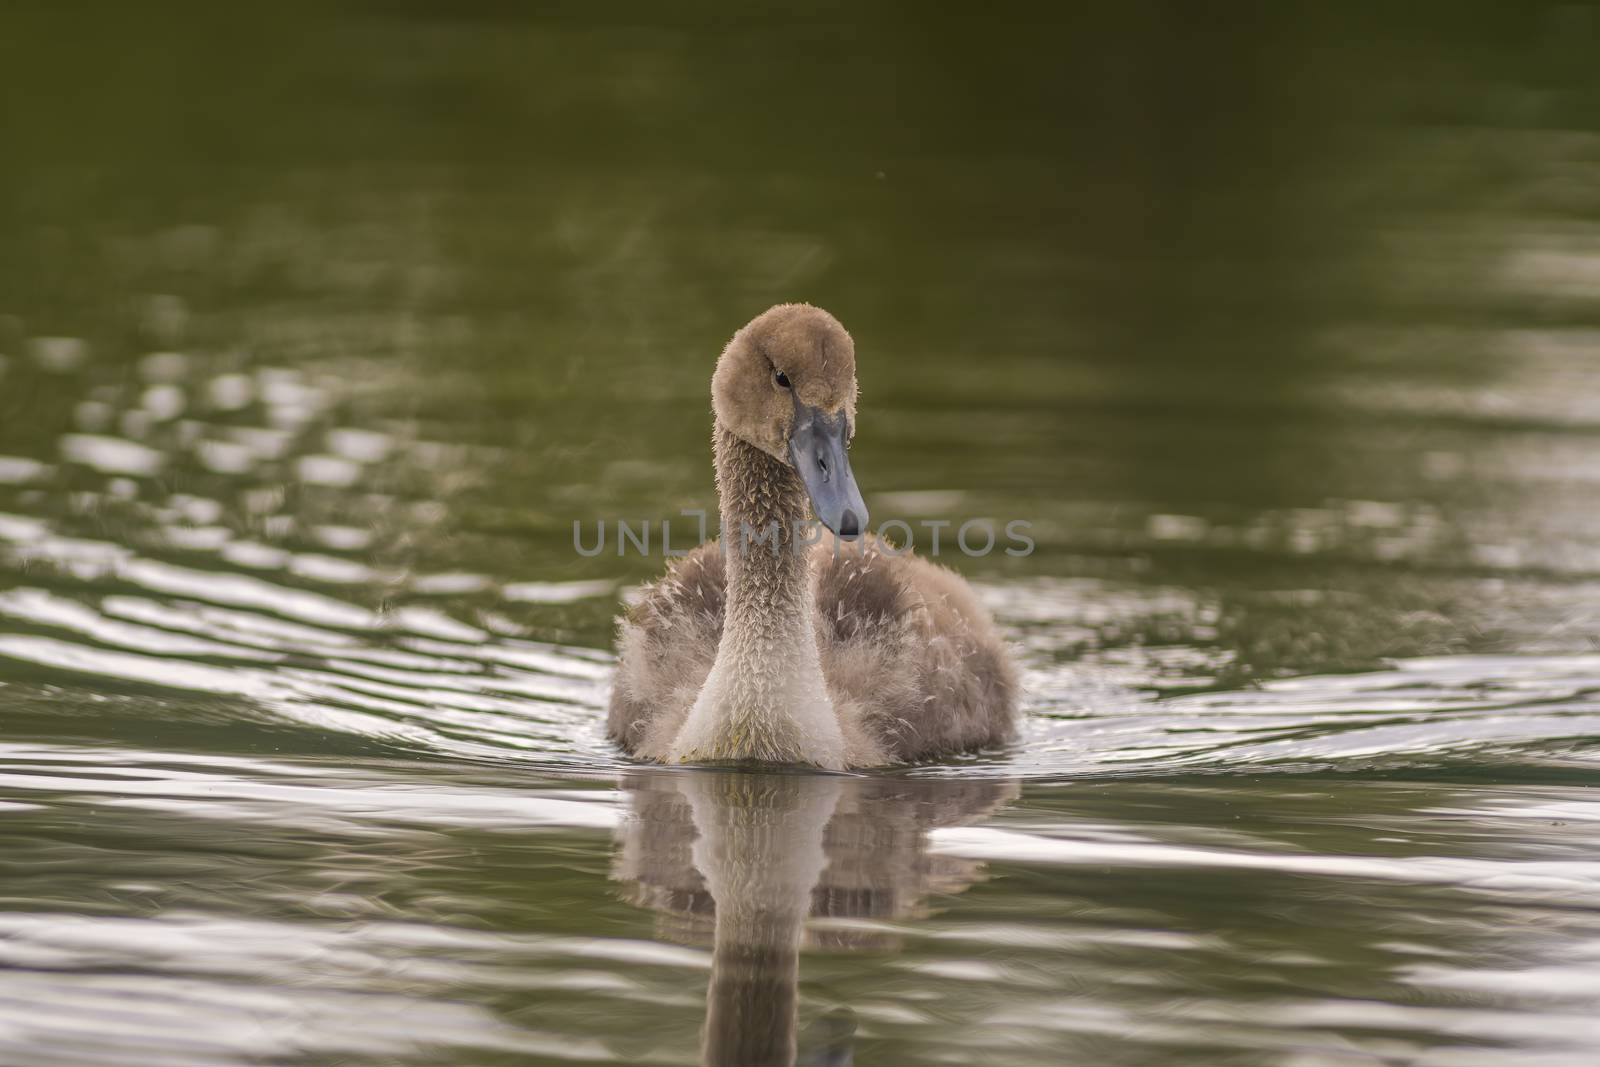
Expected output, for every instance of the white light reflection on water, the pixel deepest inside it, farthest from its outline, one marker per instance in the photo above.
(1283, 341)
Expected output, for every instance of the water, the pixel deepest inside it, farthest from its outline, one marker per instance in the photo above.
(320, 328)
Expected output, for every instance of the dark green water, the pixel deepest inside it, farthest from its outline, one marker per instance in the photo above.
(319, 328)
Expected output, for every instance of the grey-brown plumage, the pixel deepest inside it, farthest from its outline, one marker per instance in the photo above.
(906, 650)
(841, 654)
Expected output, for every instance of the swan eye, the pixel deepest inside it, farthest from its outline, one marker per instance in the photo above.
(781, 378)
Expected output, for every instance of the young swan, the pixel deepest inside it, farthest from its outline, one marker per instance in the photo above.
(836, 654)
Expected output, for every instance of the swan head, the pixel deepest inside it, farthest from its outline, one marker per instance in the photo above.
(786, 384)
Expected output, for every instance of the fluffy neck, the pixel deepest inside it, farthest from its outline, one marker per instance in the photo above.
(764, 698)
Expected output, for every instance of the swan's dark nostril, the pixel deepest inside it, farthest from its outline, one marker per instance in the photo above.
(822, 462)
(849, 525)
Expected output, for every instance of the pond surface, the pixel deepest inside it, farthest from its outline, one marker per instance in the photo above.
(319, 330)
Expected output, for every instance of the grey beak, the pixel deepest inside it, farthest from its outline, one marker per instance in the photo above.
(817, 446)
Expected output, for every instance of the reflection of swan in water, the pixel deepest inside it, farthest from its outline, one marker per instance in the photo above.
(745, 859)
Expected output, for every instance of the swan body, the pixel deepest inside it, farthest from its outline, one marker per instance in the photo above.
(840, 653)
